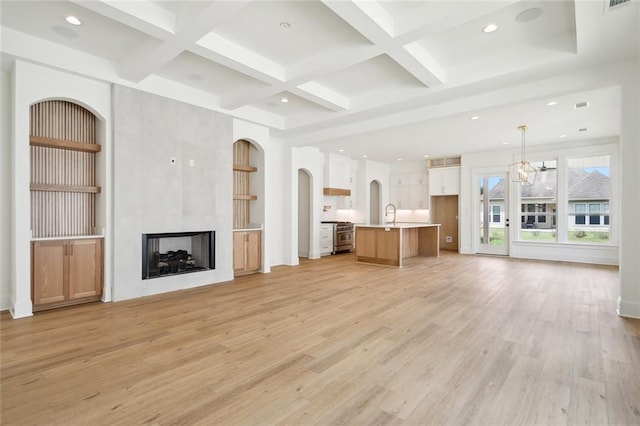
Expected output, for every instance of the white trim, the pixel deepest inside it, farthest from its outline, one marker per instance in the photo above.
(628, 309)
(580, 253)
(21, 310)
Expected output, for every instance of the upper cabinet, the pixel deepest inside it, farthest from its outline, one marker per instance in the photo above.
(337, 175)
(444, 181)
(409, 191)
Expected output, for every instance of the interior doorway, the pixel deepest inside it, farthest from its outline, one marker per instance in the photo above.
(492, 214)
(374, 202)
(304, 213)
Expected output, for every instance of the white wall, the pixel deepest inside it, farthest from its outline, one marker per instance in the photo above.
(5, 191)
(629, 302)
(312, 161)
(152, 195)
(369, 171)
(33, 83)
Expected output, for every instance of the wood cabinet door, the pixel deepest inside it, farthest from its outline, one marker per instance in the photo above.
(254, 254)
(239, 250)
(49, 271)
(85, 268)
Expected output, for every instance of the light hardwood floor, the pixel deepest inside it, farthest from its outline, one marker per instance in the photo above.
(457, 340)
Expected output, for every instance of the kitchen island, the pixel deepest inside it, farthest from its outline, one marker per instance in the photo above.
(390, 244)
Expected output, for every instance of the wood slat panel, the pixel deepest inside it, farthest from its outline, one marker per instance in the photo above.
(63, 182)
(241, 183)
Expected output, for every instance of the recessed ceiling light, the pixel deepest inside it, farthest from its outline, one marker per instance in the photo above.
(73, 20)
(286, 25)
(490, 28)
(425, 156)
(475, 117)
(562, 136)
(529, 15)
(284, 100)
(364, 156)
(505, 143)
(341, 150)
(552, 103)
(399, 159)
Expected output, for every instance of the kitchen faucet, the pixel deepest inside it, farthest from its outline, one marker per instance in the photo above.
(386, 212)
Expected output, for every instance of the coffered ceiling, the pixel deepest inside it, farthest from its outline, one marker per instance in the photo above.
(387, 79)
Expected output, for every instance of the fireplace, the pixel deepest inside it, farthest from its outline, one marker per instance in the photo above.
(177, 253)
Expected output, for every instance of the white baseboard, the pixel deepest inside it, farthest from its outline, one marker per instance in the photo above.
(629, 309)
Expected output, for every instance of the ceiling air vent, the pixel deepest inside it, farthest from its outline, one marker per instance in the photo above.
(614, 4)
(582, 104)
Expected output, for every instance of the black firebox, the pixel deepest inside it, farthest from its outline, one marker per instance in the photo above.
(177, 253)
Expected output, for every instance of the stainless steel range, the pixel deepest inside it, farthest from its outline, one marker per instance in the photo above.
(342, 236)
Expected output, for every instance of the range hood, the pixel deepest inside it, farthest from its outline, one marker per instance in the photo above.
(337, 191)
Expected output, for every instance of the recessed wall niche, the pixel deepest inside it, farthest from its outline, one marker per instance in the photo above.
(63, 169)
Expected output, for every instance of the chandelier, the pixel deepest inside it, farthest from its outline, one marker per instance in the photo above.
(523, 171)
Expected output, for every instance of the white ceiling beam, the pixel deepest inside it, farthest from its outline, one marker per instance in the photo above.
(145, 16)
(146, 60)
(370, 19)
(319, 94)
(238, 58)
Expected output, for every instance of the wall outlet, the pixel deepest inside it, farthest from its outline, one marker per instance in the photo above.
(448, 239)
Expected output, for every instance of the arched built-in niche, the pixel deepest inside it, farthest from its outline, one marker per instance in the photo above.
(304, 212)
(374, 202)
(248, 207)
(66, 248)
(63, 186)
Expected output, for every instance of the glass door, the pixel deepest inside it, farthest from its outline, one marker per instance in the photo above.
(493, 235)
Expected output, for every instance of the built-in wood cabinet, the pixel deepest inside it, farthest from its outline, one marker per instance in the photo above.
(66, 272)
(247, 252)
(67, 258)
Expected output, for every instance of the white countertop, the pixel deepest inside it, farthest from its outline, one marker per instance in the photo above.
(70, 237)
(400, 225)
(250, 227)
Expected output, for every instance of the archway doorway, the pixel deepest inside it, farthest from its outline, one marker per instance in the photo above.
(374, 202)
(304, 213)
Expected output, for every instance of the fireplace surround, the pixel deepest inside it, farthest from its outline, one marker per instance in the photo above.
(173, 253)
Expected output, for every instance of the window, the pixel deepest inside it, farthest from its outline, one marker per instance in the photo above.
(538, 204)
(594, 214)
(542, 208)
(588, 195)
(580, 210)
(495, 216)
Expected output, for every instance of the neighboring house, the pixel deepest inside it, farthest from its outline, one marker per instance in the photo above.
(589, 193)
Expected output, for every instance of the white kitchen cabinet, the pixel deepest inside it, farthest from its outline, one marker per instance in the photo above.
(326, 238)
(337, 171)
(409, 191)
(444, 181)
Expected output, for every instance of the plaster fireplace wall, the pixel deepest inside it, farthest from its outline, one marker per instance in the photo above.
(172, 173)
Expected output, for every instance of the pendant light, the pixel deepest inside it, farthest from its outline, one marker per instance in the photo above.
(523, 171)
